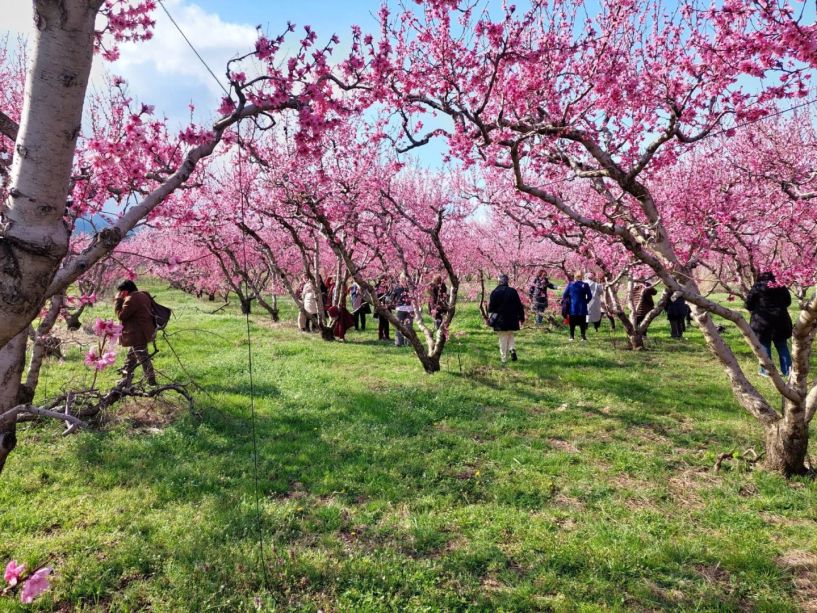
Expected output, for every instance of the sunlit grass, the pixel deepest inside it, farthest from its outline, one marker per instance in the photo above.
(579, 478)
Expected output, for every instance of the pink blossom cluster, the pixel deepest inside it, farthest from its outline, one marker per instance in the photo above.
(33, 587)
(98, 362)
(107, 328)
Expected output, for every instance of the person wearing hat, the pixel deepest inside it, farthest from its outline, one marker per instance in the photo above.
(505, 314)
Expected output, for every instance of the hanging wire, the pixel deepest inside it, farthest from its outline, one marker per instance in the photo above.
(243, 198)
(261, 548)
(189, 44)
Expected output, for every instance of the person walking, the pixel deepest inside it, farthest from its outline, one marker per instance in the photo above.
(133, 309)
(383, 291)
(309, 298)
(676, 314)
(594, 306)
(505, 314)
(577, 296)
(768, 304)
(401, 299)
(538, 293)
(437, 300)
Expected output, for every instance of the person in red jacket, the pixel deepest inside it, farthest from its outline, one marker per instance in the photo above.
(133, 308)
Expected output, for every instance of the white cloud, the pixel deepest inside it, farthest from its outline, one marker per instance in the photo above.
(167, 55)
(164, 71)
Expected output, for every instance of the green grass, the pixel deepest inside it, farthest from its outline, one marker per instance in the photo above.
(578, 479)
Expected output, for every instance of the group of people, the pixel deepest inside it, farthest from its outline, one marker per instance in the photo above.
(767, 302)
(393, 294)
(582, 306)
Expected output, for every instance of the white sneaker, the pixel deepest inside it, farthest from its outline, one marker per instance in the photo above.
(571, 339)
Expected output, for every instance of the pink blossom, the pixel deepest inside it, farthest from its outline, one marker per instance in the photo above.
(13, 572)
(97, 362)
(107, 328)
(89, 299)
(227, 106)
(36, 585)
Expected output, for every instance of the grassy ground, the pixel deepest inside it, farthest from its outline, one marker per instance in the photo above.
(577, 479)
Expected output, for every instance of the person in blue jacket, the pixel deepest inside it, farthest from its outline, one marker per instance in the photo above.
(576, 297)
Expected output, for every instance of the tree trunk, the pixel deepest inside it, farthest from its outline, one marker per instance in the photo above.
(431, 363)
(35, 239)
(246, 306)
(636, 340)
(786, 447)
(12, 362)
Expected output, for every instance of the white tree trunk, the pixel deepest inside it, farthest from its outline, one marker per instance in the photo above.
(33, 237)
(12, 360)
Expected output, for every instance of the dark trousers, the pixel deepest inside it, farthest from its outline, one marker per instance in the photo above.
(382, 329)
(581, 322)
(676, 327)
(139, 356)
(360, 320)
(407, 319)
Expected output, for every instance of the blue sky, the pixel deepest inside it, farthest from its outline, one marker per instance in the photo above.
(165, 73)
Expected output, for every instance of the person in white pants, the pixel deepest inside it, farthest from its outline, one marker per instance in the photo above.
(505, 314)
(507, 344)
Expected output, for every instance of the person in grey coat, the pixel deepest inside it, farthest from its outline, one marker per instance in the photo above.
(594, 306)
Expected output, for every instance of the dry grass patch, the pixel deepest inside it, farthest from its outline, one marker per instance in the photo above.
(148, 415)
(803, 566)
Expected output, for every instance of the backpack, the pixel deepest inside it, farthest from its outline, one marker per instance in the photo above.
(161, 314)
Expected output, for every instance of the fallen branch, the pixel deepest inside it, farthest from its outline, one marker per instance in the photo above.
(750, 456)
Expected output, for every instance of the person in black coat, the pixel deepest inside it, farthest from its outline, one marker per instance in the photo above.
(677, 311)
(768, 304)
(505, 313)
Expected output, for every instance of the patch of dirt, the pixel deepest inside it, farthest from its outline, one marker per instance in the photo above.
(637, 494)
(787, 522)
(747, 490)
(566, 523)
(148, 415)
(714, 574)
(803, 567)
(685, 487)
(562, 445)
(654, 434)
(489, 584)
(674, 597)
(563, 500)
